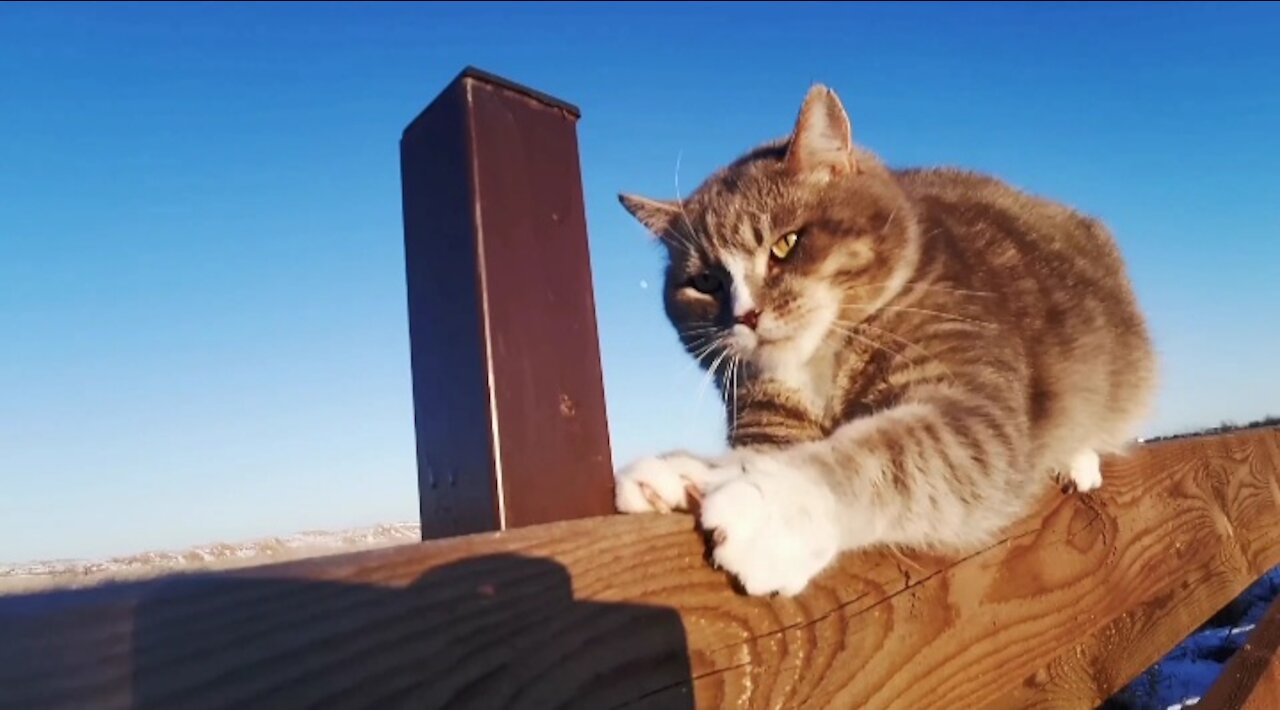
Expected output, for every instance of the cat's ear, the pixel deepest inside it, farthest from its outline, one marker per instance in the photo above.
(656, 215)
(823, 139)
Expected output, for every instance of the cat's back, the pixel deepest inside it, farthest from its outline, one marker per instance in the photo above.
(1022, 237)
(1065, 293)
(974, 206)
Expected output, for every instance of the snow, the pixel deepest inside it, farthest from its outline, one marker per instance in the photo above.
(1185, 674)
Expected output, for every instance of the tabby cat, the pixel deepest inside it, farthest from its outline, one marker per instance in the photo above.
(907, 357)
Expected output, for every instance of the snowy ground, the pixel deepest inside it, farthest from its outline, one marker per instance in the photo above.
(64, 574)
(1185, 674)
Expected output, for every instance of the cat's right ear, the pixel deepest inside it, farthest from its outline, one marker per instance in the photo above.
(656, 215)
(822, 141)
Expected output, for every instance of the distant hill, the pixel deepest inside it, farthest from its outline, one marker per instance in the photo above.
(1224, 427)
(64, 574)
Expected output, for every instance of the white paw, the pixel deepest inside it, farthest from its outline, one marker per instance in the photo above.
(1086, 471)
(773, 529)
(665, 483)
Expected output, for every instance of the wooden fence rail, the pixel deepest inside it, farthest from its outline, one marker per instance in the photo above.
(552, 602)
(624, 611)
(1251, 680)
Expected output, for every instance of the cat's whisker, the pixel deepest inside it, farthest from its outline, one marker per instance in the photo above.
(704, 352)
(928, 287)
(726, 392)
(699, 330)
(707, 343)
(686, 242)
(889, 221)
(688, 245)
(926, 311)
(700, 348)
(711, 352)
(700, 353)
(733, 421)
(933, 358)
(944, 289)
(702, 384)
(708, 350)
(695, 337)
(730, 372)
(951, 316)
(696, 341)
(712, 373)
(874, 344)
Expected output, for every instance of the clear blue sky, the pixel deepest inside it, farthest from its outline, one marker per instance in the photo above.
(202, 302)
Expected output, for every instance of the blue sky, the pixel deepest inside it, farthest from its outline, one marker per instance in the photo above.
(201, 268)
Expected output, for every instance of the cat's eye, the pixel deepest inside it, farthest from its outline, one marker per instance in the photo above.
(705, 282)
(784, 245)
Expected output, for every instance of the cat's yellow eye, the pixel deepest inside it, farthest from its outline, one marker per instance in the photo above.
(783, 246)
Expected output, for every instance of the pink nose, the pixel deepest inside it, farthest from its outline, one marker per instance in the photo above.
(750, 319)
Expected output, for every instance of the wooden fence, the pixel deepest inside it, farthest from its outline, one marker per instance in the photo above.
(522, 599)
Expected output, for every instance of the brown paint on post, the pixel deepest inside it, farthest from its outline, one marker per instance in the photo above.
(508, 394)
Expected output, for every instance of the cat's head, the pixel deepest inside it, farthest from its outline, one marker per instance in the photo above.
(778, 251)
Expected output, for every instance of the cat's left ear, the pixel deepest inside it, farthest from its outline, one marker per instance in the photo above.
(823, 138)
(656, 215)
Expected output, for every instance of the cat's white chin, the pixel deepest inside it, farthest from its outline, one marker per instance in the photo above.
(773, 354)
(770, 351)
(745, 340)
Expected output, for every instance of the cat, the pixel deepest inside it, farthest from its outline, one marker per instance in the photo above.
(908, 357)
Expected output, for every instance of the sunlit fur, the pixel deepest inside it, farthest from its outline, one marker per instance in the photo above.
(935, 347)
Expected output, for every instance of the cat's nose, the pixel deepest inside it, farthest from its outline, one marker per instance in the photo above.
(750, 318)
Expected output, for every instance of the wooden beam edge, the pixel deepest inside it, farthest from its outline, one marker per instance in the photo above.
(733, 641)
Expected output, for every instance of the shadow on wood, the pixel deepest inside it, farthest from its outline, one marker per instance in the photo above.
(486, 632)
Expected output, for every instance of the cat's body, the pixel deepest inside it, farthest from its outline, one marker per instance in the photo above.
(907, 357)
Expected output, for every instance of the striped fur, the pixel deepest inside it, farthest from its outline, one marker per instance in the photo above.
(935, 349)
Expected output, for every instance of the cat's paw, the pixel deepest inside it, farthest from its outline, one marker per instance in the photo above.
(1086, 471)
(773, 530)
(1084, 474)
(663, 484)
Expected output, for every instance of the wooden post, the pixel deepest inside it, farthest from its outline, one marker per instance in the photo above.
(508, 395)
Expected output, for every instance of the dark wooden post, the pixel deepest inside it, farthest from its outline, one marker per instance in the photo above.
(507, 389)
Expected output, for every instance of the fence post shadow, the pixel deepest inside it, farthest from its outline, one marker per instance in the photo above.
(497, 631)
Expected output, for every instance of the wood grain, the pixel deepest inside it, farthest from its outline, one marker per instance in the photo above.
(625, 611)
(1251, 680)
(1236, 480)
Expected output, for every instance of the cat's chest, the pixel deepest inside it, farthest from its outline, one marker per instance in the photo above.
(836, 388)
(815, 383)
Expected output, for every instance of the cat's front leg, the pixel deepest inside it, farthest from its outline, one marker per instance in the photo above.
(667, 483)
(774, 525)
